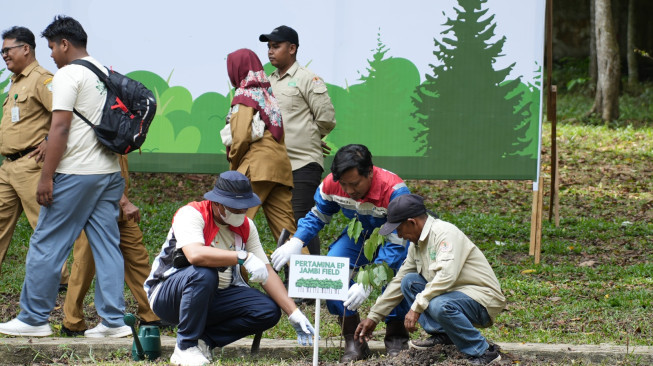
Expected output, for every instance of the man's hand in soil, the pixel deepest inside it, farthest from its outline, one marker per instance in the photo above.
(411, 320)
(364, 330)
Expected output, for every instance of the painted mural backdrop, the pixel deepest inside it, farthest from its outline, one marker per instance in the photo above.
(469, 109)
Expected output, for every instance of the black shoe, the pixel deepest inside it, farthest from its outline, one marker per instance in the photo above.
(299, 301)
(488, 358)
(162, 324)
(63, 287)
(433, 340)
(71, 333)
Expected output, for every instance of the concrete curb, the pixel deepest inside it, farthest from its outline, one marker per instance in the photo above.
(78, 350)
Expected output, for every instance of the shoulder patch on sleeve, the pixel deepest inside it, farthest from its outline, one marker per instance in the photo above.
(318, 85)
(445, 247)
(48, 84)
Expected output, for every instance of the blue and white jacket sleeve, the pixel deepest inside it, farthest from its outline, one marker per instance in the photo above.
(395, 249)
(320, 215)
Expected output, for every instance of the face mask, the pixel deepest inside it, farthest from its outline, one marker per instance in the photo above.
(232, 218)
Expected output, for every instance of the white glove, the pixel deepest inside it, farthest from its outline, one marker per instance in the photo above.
(356, 295)
(303, 327)
(281, 256)
(258, 272)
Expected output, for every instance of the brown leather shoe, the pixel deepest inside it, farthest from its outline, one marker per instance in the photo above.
(354, 350)
(396, 337)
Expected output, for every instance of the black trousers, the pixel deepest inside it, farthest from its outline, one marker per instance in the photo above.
(306, 180)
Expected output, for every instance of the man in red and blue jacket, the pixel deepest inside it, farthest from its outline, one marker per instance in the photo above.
(358, 189)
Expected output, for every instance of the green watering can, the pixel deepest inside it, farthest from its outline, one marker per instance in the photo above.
(147, 343)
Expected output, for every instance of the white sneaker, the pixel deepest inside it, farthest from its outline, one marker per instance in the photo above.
(205, 349)
(102, 331)
(19, 328)
(189, 357)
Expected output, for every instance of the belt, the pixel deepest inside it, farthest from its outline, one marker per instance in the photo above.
(19, 154)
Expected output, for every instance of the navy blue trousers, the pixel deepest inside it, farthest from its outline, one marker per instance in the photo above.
(191, 299)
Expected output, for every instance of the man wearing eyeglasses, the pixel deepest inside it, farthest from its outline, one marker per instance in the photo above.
(79, 188)
(26, 114)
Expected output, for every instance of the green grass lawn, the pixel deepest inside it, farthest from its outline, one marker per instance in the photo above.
(595, 281)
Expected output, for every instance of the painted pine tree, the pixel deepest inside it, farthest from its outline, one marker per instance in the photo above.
(378, 111)
(470, 110)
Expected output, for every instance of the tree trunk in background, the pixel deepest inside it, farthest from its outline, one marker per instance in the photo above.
(633, 73)
(592, 70)
(606, 102)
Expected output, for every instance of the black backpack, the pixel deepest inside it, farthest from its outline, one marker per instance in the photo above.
(127, 114)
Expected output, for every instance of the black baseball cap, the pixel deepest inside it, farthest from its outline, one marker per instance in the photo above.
(401, 209)
(281, 33)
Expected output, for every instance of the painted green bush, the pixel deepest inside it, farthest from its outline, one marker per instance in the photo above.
(3, 86)
(181, 124)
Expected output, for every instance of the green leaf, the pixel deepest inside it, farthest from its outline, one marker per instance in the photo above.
(369, 249)
(350, 229)
(379, 239)
(363, 277)
(358, 228)
(380, 276)
(389, 272)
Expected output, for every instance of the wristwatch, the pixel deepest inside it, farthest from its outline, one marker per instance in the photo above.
(242, 256)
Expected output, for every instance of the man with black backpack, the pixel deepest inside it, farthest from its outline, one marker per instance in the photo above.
(80, 188)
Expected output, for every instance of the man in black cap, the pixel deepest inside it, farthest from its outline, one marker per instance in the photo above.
(447, 280)
(196, 280)
(308, 116)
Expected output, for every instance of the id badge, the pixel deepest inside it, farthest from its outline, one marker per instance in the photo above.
(15, 114)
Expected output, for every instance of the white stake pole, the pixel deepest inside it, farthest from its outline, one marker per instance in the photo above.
(316, 337)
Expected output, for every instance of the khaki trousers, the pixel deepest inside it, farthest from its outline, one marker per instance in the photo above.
(277, 207)
(275, 200)
(137, 268)
(18, 182)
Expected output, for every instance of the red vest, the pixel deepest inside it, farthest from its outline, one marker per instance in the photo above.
(210, 228)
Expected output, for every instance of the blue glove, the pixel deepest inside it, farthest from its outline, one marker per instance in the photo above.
(303, 327)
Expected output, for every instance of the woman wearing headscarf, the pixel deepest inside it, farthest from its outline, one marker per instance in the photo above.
(263, 159)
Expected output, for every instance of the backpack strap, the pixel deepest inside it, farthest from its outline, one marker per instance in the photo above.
(102, 76)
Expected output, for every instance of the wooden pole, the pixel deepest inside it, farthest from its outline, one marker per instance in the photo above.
(551, 114)
(554, 204)
(538, 222)
(531, 249)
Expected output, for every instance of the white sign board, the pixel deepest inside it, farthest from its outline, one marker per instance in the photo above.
(318, 277)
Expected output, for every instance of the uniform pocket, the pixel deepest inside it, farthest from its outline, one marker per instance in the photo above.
(295, 98)
(23, 105)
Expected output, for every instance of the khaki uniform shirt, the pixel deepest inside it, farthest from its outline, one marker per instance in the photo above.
(30, 92)
(307, 113)
(449, 261)
(261, 160)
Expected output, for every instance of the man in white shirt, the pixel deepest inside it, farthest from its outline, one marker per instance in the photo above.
(80, 188)
(196, 280)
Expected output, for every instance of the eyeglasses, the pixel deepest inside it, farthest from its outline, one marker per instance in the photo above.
(5, 50)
